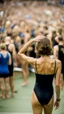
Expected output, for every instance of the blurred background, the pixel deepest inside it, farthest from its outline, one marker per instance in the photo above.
(22, 19)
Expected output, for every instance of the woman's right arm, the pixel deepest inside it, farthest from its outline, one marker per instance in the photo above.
(57, 82)
(55, 52)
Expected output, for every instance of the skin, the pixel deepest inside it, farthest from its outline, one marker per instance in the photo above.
(55, 51)
(45, 65)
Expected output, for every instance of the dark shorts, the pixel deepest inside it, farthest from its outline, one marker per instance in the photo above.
(10, 70)
(4, 75)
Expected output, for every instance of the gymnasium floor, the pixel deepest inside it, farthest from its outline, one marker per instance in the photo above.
(21, 102)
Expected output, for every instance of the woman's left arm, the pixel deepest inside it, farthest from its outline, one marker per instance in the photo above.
(21, 53)
(29, 43)
(22, 56)
(25, 47)
(57, 84)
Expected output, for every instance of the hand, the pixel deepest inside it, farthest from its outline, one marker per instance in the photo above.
(39, 38)
(56, 104)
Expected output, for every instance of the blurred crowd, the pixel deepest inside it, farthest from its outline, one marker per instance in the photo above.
(20, 19)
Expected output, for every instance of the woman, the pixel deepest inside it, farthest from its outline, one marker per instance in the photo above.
(5, 60)
(24, 64)
(10, 47)
(59, 54)
(45, 69)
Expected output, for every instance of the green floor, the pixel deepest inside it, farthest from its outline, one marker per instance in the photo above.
(21, 102)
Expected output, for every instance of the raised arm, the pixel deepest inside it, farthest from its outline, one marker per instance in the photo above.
(25, 47)
(21, 53)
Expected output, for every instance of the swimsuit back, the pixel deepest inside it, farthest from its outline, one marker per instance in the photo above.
(44, 87)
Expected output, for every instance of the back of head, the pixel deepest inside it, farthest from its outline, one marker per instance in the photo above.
(60, 38)
(43, 47)
(8, 23)
(8, 40)
(60, 31)
(2, 46)
(15, 31)
(18, 39)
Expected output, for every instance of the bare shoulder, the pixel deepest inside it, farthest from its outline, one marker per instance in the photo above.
(12, 45)
(58, 62)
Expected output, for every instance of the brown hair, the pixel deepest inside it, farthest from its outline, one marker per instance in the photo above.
(60, 38)
(43, 47)
(60, 31)
(2, 46)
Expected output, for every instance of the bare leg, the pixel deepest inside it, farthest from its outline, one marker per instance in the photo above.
(7, 87)
(36, 106)
(25, 72)
(49, 107)
(11, 85)
(2, 87)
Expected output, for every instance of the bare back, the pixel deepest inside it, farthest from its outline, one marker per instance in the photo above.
(45, 66)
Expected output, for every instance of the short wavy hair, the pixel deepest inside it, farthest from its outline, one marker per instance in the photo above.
(43, 47)
(2, 46)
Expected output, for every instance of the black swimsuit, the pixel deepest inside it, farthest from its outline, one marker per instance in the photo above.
(10, 66)
(61, 57)
(44, 87)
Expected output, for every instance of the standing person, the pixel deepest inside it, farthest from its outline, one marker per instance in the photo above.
(45, 69)
(11, 48)
(5, 60)
(59, 54)
(25, 65)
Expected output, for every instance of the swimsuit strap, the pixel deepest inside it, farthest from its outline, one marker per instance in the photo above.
(55, 67)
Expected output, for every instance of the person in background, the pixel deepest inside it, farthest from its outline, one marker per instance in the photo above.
(10, 47)
(5, 60)
(45, 69)
(24, 64)
(59, 54)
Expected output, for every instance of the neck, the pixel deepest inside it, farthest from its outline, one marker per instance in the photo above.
(45, 56)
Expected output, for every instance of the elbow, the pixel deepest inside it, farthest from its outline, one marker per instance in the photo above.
(18, 53)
